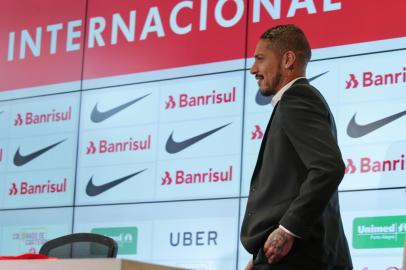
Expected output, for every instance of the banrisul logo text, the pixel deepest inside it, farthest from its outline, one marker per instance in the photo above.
(379, 232)
(126, 238)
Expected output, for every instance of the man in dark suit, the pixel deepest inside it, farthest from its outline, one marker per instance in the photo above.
(292, 220)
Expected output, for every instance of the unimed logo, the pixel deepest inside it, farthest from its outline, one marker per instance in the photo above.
(126, 238)
(379, 232)
(25, 188)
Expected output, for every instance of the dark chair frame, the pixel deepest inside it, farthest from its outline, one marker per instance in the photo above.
(81, 237)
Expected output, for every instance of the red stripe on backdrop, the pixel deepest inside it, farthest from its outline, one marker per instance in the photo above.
(196, 34)
(28, 15)
(213, 44)
(355, 22)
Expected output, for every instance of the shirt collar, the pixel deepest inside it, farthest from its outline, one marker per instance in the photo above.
(277, 97)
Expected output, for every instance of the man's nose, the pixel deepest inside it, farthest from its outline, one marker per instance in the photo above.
(253, 69)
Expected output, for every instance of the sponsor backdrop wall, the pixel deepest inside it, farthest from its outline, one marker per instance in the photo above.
(139, 120)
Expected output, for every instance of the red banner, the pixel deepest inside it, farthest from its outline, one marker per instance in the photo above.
(42, 41)
(330, 23)
(34, 45)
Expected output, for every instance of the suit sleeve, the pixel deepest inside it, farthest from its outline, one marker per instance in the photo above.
(306, 124)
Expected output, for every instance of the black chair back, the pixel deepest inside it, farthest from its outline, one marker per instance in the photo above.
(80, 245)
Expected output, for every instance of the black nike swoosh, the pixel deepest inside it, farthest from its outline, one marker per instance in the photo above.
(355, 130)
(97, 116)
(20, 160)
(261, 99)
(265, 100)
(93, 190)
(173, 147)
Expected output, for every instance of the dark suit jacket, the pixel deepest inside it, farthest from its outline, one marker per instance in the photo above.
(295, 180)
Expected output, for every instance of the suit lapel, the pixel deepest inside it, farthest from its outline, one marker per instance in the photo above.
(264, 140)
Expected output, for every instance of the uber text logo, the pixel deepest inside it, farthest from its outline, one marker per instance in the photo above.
(193, 238)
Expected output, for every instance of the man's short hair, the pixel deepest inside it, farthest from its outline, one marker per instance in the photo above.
(289, 37)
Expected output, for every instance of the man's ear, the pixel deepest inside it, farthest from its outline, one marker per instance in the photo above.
(289, 59)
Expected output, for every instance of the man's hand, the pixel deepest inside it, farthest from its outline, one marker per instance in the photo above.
(278, 244)
(250, 265)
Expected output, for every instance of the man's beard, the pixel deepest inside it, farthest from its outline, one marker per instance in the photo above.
(272, 90)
